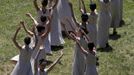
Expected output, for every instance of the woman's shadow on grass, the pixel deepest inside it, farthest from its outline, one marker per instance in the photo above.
(114, 37)
(106, 49)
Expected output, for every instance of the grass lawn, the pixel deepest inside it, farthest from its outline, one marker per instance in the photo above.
(120, 61)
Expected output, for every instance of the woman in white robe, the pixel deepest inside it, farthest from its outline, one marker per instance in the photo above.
(104, 22)
(91, 25)
(23, 66)
(41, 14)
(115, 13)
(79, 58)
(56, 35)
(90, 61)
(41, 33)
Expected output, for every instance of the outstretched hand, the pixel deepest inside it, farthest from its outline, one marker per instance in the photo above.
(21, 22)
(18, 28)
(28, 14)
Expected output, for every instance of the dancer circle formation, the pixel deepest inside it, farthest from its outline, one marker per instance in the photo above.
(55, 17)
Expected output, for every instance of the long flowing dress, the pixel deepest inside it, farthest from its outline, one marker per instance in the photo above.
(64, 10)
(91, 65)
(79, 59)
(41, 45)
(104, 22)
(23, 66)
(56, 35)
(42, 54)
(47, 39)
(115, 13)
(92, 27)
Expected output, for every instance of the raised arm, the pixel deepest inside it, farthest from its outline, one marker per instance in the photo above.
(63, 25)
(83, 8)
(55, 4)
(36, 5)
(33, 19)
(81, 48)
(79, 4)
(14, 39)
(54, 63)
(86, 37)
(73, 16)
(27, 31)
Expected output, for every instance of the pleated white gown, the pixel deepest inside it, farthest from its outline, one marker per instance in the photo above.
(42, 54)
(79, 59)
(104, 22)
(56, 35)
(91, 65)
(41, 46)
(64, 10)
(115, 13)
(23, 66)
(47, 39)
(92, 27)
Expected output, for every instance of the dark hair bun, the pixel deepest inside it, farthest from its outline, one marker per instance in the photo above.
(84, 17)
(43, 18)
(92, 6)
(27, 40)
(91, 46)
(44, 2)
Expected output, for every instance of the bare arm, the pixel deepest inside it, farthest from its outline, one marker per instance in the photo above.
(55, 62)
(83, 9)
(14, 39)
(56, 2)
(27, 31)
(79, 4)
(73, 16)
(36, 5)
(81, 48)
(63, 25)
(86, 37)
(33, 19)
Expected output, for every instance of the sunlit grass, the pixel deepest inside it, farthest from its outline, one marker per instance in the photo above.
(118, 62)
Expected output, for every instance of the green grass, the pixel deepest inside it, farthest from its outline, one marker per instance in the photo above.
(118, 62)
